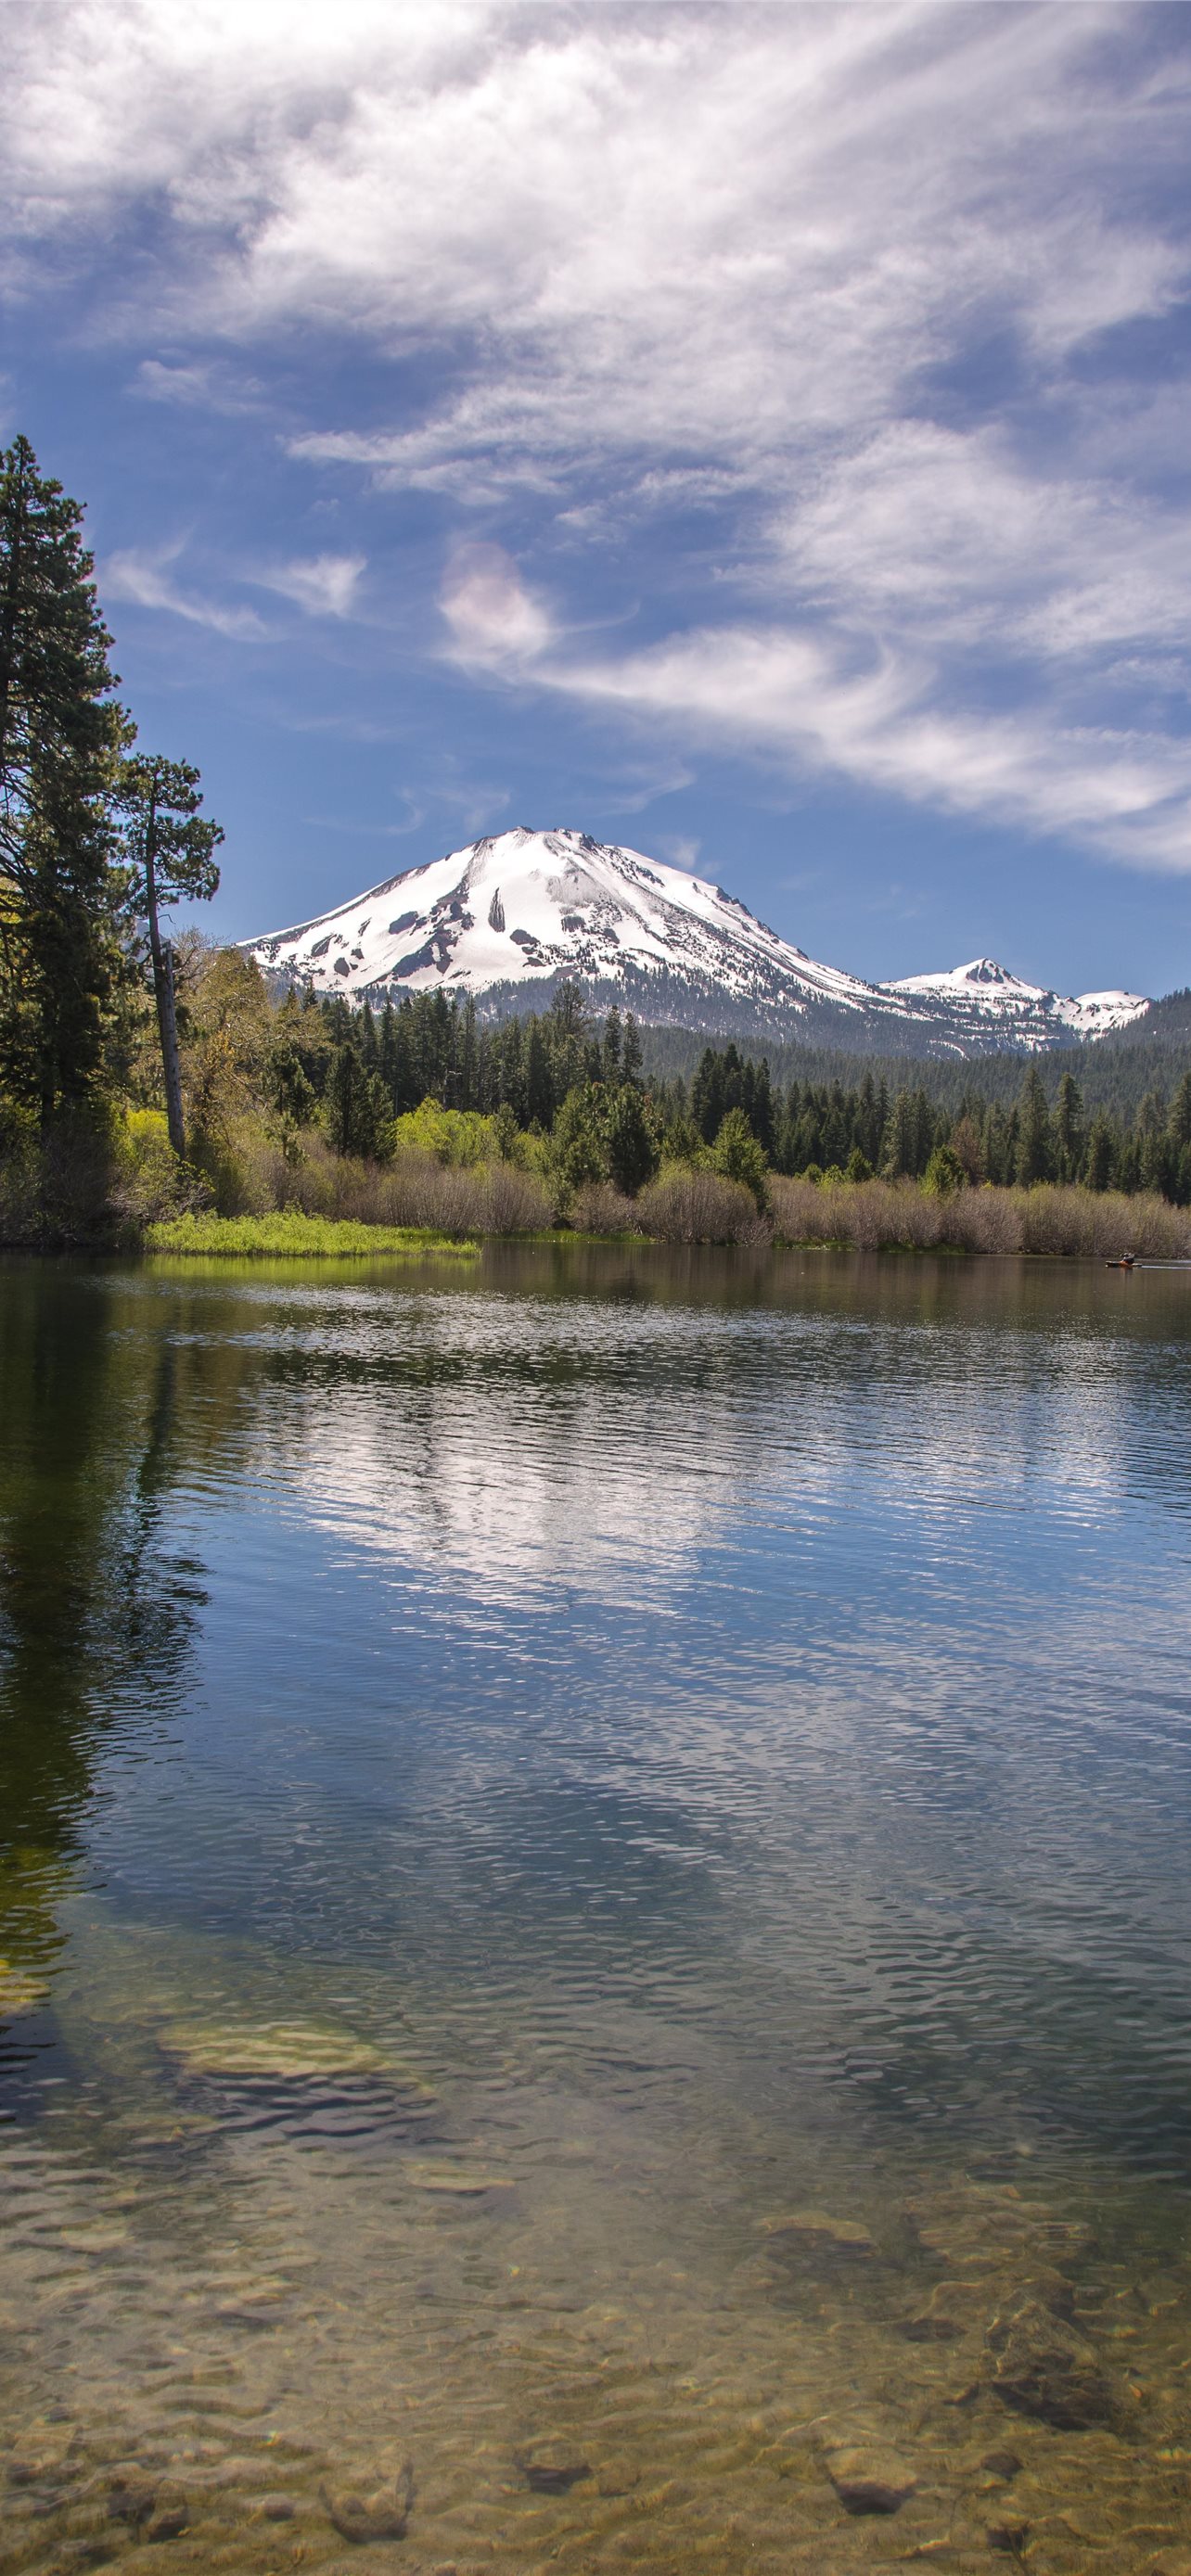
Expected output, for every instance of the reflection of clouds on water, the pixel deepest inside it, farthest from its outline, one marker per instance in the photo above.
(776, 1662)
(515, 1444)
(819, 1649)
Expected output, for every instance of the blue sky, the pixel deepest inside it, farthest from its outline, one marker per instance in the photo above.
(759, 436)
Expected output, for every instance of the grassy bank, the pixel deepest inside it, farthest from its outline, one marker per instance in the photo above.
(293, 1235)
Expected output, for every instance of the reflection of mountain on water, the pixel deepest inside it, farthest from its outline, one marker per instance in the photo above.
(95, 1615)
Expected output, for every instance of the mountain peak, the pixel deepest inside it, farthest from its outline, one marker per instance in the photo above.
(514, 913)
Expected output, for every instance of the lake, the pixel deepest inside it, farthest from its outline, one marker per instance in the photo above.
(595, 1914)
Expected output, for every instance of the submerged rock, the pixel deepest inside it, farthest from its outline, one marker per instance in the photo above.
(459, 2182)
(131, 2497)
(985, 2226)
(277, 2506)
(817, 2228)
(41, 2450)
(952, 2309)
(1001, 2464)
(552, 2467)
(283, 2051)
(1009, 2535)
(170, 2515)
(1043, 2366)
(869, 2480)
(381, 2514)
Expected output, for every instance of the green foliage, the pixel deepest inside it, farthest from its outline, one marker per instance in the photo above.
(460, 1138)
(730, 1081)
(737, 1154)
(166, 845)
(579, 1140)
(153, 1183)
(944, 1173)
(603, 1133)
(630, 1141)
(296, 1237)
(358, 1117)
(1035, 1145)
(60, 733)
(1068, 1129)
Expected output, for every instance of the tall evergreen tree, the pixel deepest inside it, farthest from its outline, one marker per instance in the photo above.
(1099, 1167)
(632, 1150)
(1068, 1129)
(899, 1145)
(356, 1105)
(60, 731)
(1034, 1149)
(169, 849)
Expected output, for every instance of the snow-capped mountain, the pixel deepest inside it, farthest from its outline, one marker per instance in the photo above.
(507, 918)
(982, 996)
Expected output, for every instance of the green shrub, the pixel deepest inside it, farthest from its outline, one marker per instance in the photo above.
(459, 1138)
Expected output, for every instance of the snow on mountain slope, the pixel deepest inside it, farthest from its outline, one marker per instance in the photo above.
(529, 907)
(983, 992)
(507, 918)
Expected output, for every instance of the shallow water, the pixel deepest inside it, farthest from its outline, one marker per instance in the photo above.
(595, 1911)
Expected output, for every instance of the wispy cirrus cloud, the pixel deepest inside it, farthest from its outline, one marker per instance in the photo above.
(1125, 793)
(321, 585)
(144, 576)
(865, 291)
(324, 585)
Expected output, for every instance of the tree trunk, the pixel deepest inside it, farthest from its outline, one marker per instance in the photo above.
(167, 1021)
(163, 989)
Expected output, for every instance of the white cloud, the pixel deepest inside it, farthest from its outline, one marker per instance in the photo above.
(143, 576)
(783, 695)
(324, 585)
(495, 621)
(831, 276)
(202, 387)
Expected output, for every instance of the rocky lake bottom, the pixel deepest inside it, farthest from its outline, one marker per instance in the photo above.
(593, 1929)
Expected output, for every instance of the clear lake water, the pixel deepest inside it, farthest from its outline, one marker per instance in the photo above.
(595, 1921)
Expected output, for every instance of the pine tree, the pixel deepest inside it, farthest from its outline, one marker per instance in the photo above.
(632, 1151)
(738, 1156)
(539, 1089)
(899, 1144)
(1099, 1167)
(1179, 1121)
(707, 1094)
(1034, 1147)
(356, 1106)
(1068, 1129)
(169, 851)
(59, 735)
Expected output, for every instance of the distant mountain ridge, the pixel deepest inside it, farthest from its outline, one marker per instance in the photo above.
(512, 915)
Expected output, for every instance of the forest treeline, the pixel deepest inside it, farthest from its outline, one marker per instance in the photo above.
(360, 1070)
